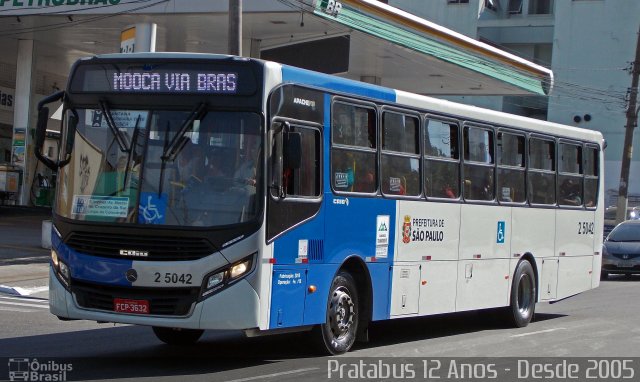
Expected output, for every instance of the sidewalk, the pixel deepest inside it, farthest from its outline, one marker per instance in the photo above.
(24, 264)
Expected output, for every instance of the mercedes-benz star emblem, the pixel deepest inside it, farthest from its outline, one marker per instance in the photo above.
(131, 275)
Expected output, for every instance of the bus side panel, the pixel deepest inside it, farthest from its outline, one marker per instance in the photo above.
(599, 226)
(364, 228)
(484, 254)
(428, 234)
(575, 231)
(295, 252)
(537, 239)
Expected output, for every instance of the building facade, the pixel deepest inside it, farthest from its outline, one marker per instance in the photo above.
(589, 45)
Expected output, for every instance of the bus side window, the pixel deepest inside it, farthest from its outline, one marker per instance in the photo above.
(305, 181)
(542, 171)
(570, 175)
(441, 159)
(400, 167)
(479, 164)
(591, 174)
(511, 168)
(353, 153)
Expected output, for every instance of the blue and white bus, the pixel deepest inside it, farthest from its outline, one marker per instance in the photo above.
(215, 192)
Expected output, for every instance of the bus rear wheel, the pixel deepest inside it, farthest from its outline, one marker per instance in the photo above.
(523, 296)
(338, 333)
(177, 336)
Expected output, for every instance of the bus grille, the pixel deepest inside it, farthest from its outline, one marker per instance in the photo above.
(162, 301)
(159, 248)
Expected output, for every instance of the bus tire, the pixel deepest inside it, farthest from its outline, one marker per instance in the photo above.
(339, 331)
(523, 296)
(177, 336)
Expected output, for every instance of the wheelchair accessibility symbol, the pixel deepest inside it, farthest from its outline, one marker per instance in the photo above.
(501, 232)
(152, 208)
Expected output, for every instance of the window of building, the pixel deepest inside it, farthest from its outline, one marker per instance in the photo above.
(458, 1)
(542, 171)
(591, 174)
(353, 155)
(511, 168)
(540, 7)
(515, 7)
(570, 175)
(441, 159)
(491, 4)
(400, 165)
(478, 164)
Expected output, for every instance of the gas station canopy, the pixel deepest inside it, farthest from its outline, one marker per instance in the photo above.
(378, 43)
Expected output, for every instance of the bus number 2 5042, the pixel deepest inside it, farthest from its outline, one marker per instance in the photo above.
(173, 278)
(585, 228)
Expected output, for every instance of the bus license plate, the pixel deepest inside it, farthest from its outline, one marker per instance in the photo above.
(121, 305)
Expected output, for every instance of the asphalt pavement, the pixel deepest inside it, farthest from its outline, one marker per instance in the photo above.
(23, 261)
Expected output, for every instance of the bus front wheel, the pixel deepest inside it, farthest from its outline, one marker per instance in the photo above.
(523, 296)
(338, 333)
(177, 336)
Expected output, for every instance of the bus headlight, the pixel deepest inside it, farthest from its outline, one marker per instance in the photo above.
(222, 278)
(239, 269)
(215, 280)
(60, 269)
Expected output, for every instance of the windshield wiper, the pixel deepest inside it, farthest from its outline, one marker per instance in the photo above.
(176, 143)
(132, 151)
(114, 129)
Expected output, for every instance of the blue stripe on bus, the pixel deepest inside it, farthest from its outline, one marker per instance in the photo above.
(92, 268)
(345, 230)
(305, 77)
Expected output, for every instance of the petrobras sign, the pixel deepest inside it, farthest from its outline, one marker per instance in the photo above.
(43, 7)
(6, 98)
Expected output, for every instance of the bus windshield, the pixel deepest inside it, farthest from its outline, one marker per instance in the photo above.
(163, 167)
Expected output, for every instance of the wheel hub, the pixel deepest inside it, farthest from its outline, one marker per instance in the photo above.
(341, 312)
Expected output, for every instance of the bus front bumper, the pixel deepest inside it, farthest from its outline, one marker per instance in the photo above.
(234, 308)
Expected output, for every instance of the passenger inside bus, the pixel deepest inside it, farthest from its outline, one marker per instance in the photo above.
(570, 193)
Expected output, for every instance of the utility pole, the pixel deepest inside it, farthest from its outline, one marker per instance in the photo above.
(627, 151)
(235, 27)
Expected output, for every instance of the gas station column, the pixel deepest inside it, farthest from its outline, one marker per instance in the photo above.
(22, 145)
(145, 37)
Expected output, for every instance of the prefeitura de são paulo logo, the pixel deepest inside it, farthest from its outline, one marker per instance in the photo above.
(406, 230)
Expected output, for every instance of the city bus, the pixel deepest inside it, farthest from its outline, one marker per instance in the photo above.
(199, 191)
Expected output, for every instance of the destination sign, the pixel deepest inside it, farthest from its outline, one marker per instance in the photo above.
(169, 78)
(176, 82)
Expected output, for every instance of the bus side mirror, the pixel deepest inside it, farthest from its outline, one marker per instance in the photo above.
(71, 134)
(41, 129)
(292, 150)
(41, 133)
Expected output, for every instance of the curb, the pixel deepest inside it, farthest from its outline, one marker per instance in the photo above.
(8, 290)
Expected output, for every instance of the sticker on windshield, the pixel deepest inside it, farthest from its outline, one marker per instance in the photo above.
(123, 119)
(104, 206)
(153, 207)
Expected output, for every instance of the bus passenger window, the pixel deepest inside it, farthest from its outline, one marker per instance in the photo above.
(353, 154)
(570, 177)
(511, 168)
(542, 171)
(442, 161)
(478, 167)
(400, 166)
(590, 177)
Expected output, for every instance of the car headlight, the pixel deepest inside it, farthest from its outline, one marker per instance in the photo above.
(221, 278)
